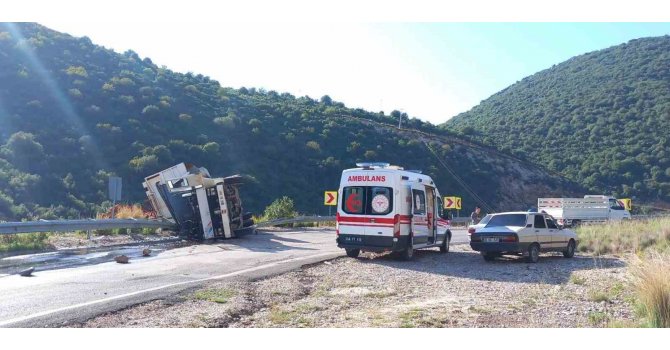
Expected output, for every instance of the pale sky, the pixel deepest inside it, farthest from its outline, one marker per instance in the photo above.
(432, 71)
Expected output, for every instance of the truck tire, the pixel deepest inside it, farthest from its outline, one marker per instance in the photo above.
(353, 253)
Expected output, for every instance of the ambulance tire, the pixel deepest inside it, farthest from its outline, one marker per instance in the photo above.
(444, 248)
(353, 253)
(407, 253)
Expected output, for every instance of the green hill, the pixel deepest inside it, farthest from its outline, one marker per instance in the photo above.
(73, 113)
(601, 119)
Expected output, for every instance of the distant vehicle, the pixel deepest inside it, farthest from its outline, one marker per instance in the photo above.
(592, 208)
(202, 207)
(522, 233)
(387, 208)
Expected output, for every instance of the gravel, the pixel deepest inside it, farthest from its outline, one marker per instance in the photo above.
(457, 289)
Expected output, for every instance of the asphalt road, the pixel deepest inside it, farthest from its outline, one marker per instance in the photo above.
(55, 297)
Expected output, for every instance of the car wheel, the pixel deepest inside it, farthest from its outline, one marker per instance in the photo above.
(353, 253)
(569, 252)
(533, 253)
(488, 256)
(444, 248)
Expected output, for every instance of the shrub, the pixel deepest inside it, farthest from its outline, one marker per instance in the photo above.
(652, 283)
(625, 236)
(280, 208)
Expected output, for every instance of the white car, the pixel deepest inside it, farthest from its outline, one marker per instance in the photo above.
(481, 224)
(526, 233)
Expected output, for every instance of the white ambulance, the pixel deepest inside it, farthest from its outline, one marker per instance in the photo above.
(387, 208)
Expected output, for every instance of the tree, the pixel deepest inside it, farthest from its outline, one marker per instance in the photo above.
(280, 208)
(326, 100)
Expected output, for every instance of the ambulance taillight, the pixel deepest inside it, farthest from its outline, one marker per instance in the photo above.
(337, 224)
(396, 225)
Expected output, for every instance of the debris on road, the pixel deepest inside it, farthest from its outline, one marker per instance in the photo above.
(122, 259)
(27, 272)
(146, 252)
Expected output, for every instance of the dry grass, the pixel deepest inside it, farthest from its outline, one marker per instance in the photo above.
(652, 282)
(625, 237)
(123, 211)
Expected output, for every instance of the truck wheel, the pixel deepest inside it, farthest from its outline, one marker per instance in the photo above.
(353, 253)
(569, 252)
(533, 253)
(444, 248)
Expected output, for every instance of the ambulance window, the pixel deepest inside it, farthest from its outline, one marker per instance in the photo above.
(353, 199)
(419, 201)
(380, 200)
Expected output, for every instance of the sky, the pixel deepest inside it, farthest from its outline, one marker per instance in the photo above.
(431, 71)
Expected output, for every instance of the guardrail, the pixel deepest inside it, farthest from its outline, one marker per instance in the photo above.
(295, 220)
(80, 225)
(300, 219)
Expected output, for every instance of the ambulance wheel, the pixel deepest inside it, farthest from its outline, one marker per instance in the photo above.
(353, 253)
(407, 254)
(444, 248)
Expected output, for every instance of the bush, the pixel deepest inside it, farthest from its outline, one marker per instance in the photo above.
(279, 209)
(24, 241)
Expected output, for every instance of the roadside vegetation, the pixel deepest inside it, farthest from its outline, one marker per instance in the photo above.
(634, 236)
(24, 241)
(647, 243)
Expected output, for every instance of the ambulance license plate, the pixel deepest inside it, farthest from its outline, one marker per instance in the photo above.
(491, 239)
(353, 239)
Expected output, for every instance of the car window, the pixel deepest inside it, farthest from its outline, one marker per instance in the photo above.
(485, 219)
(518, 220)
(539, 221)
(551, 223)
(419, 198)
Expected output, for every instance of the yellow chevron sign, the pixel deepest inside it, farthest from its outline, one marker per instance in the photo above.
(627, 203)
(330, 198)
(452, 203)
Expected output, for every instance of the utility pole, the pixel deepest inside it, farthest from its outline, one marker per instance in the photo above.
(402, 111)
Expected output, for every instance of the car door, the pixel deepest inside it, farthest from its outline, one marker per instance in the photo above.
(540, 229)
(558, 239)
(419, 222)
(431, 218)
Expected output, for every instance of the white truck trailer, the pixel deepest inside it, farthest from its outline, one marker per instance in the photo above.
(590, 209)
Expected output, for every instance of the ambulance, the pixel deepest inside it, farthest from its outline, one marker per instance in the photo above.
(386, 208)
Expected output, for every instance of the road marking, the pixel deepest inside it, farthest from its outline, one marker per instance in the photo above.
(116, 297)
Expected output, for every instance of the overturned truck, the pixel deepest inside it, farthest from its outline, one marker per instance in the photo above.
(202, 207)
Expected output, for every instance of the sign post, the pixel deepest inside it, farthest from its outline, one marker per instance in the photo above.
(330, 199)
(114, 192)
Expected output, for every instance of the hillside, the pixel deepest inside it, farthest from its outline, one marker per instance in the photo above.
(73, 113)
(601, 119)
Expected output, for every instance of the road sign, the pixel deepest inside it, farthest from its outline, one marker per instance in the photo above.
(452, 203)
(627, 203)
(114, 188)
(330, 198)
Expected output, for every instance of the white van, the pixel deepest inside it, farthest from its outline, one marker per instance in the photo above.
(387, 208)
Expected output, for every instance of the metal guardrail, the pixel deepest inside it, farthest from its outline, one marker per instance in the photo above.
(297, 219)
(80, 225)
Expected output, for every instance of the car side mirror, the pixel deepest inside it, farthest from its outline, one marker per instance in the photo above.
(529, 226)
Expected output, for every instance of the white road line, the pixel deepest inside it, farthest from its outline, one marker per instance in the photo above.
(116, 297)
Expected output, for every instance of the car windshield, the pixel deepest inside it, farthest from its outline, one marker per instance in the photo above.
(507, 220)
